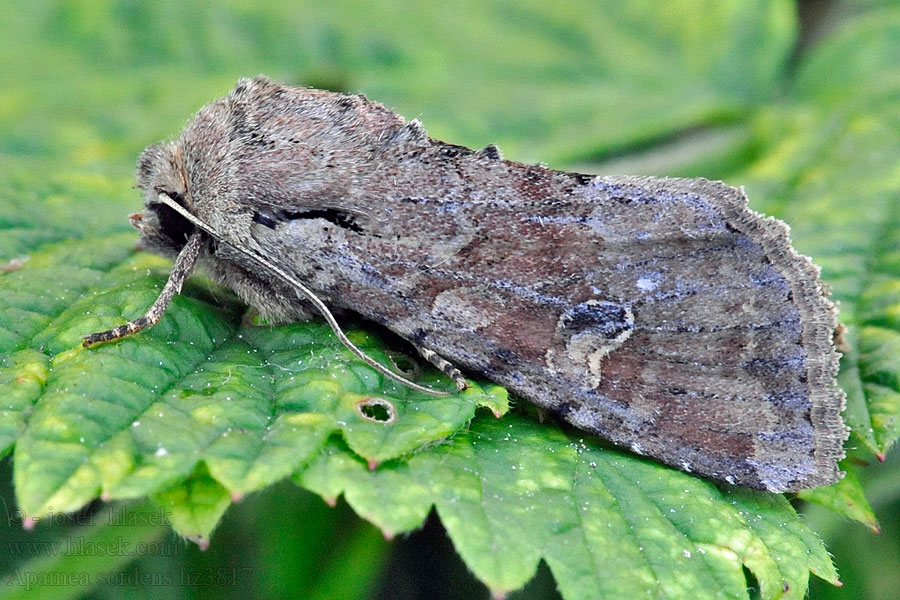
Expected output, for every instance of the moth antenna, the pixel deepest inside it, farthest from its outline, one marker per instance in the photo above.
(309, 295)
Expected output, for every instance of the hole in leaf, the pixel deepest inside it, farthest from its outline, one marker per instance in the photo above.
(376, 410)
(405, 365)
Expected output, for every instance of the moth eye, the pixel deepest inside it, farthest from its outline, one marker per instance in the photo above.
(173, 225)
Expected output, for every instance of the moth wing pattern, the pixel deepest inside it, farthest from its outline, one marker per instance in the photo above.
(660, 314)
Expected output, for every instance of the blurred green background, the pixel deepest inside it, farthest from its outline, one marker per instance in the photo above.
(793, 100)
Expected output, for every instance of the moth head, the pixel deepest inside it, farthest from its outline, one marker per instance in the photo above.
(160, 171)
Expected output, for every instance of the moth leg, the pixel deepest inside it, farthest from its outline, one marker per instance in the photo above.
(445, 367)
(184, 264)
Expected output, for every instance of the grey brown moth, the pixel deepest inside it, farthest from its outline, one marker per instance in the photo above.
(660, 314)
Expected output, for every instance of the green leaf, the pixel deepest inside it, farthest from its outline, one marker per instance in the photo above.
(880, 364)
(194, 506)
(845, 497)
(584, 78)
(857, 65)
(252, 403)
(22, 377)
(511, 492)
(342, 577)
(65, 269)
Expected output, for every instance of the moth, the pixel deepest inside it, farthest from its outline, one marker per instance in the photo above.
(660, 314)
